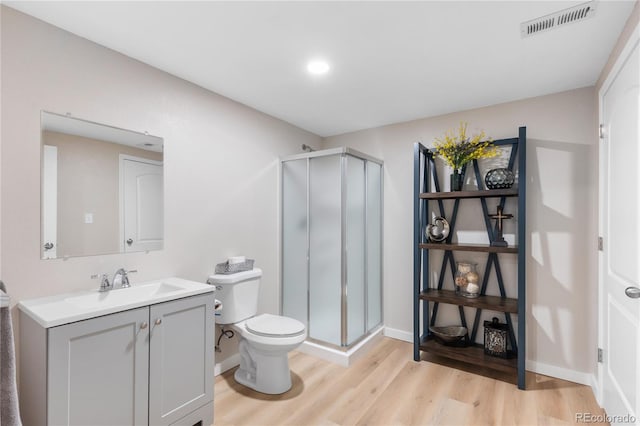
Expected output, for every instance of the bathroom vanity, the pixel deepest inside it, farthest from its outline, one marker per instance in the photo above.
(133, 356)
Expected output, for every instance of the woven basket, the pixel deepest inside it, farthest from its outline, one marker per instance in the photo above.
(226, 268)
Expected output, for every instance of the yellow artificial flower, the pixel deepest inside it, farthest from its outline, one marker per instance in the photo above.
(459, 149)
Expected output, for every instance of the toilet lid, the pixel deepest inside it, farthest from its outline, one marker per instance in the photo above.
(274, 325)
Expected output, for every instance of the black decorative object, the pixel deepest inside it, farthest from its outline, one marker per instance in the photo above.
(495, 338)
(499, 217)
(456, 181)
(499, 179)
(438, 229)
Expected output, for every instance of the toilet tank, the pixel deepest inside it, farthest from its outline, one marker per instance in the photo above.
(238, 293)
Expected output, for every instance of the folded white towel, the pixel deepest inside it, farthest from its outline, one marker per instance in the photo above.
(236, 259)
(9, 410)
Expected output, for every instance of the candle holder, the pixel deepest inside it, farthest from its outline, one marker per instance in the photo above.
(467, 280)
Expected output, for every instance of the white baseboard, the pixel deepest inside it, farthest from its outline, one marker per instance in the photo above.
(394, 333)
(561, 373)
(226, 364)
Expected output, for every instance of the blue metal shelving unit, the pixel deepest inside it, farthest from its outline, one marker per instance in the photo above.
(428, 296)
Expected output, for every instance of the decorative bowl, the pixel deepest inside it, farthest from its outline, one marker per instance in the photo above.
(499, 179)
(449, 334)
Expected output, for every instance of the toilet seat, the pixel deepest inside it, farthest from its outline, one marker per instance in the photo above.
(268, 325)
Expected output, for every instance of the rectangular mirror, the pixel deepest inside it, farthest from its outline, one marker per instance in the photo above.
(102, 189)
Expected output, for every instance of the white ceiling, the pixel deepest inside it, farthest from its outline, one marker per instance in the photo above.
(390, 61)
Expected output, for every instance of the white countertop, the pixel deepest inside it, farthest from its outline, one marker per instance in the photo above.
(71, 307)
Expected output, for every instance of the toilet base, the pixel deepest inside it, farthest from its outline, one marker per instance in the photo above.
(263, 372)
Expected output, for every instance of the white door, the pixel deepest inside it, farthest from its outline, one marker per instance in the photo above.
(49, 201)
(98, 371)
(620, 228)
(142, 205)
(181, 358)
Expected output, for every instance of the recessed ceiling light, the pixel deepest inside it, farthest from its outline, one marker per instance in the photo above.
(318, 67)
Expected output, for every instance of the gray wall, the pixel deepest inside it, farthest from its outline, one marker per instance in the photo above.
(561, 226)
(221, 162)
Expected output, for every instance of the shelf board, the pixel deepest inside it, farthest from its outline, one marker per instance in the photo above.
(485, 248)
(490, 193)
(494, 303)
(472, 355)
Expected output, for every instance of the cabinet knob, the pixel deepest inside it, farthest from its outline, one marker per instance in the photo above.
(159, 321)
(144, 325)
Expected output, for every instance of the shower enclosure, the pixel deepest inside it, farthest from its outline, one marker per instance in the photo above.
(332, 244)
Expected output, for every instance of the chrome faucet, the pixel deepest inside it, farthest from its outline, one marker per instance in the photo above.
(121, 279)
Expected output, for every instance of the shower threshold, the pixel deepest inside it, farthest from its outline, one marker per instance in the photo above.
(342, 356)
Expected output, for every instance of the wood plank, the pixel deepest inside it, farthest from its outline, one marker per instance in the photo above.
(494, 303)
(453, 195)
(471, 354)
(484, 248)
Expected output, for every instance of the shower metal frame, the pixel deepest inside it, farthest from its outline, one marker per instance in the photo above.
(342, 152)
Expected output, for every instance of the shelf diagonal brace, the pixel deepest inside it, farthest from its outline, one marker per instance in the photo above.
(483, 203)
(485, 281)
(507, 315)
(448, 254)
(512, 161)
(436, 181)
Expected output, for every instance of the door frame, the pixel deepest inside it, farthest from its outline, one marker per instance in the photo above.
(49, 200)
(634, 39)
(121, 159)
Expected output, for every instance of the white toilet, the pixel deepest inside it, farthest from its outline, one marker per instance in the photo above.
(265, 340)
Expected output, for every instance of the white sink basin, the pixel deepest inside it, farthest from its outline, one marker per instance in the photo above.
(63, 309)
(122, 295)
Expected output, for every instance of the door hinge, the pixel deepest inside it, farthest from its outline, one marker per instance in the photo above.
(600, 244)
(600, 355)
(601, 131)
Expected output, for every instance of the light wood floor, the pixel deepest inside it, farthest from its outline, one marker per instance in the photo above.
(386, 387)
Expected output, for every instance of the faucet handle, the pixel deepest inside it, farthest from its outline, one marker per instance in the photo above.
(105, 285)
(121, 278)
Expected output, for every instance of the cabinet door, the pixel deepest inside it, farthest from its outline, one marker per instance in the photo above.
(181, 358)
(98, 371)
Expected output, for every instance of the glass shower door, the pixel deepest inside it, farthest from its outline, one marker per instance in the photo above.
(355, 221)
(294, 240)
(325, 249)
(374, 245)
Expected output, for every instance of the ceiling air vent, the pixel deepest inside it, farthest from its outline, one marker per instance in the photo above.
(558, 19)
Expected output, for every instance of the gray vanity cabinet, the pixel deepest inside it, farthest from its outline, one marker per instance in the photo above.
(151, 365)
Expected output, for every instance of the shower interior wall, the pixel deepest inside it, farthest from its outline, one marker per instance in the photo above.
(332, 244)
